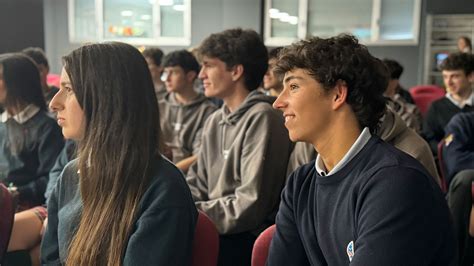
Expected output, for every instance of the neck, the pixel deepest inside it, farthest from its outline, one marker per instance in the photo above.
(236, 97)
(462, 95)
(157, 83)
(186, 96)
(14, 110)
(337, 140)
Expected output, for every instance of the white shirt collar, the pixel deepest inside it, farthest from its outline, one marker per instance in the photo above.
(361, 141)
(469, 101)
(23, 116)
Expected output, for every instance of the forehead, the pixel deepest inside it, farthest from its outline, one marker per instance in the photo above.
(64, 76)
(149, 61)
(298, 73)
(212, 60)
(458, 72)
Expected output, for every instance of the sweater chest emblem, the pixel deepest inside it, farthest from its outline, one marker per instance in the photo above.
(350, 250)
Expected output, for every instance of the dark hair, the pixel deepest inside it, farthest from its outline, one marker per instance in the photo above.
(37, 54)
(273, 53)
(156, 54)
(394, 68)
(239, 47)
(22, 81)
(183, 59)
(459, 61)
(342, 58)
(113, 86)
(467, 40)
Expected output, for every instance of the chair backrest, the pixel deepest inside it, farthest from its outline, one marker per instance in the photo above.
(261, 246)
(7, 213)
(442, 167)
(53, 80)
(424, 95)
(206, 242)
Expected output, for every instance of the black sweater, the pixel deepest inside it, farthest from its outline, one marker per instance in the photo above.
(382, 208)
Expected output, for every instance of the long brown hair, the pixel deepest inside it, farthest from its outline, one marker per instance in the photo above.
(114, 88)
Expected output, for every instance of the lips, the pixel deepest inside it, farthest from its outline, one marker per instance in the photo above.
(60, 121)
(288, 117)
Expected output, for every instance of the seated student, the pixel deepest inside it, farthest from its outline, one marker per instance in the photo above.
(38, 55)
(458, 77)
(153, 58)
(458, 155)
(120, 202)
(409, 112)
(272, 83)
(29, 225)
(30, 140)
(392, 130)
(362, 202)
(183, 111)
(241, 165)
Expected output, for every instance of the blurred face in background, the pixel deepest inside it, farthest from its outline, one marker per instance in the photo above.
(457, 82)
(155, 70)
(177, 80)
(270, 80)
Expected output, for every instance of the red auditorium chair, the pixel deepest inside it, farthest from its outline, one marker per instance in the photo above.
(424, 95)
(261, 246)
(7, 212)
(206, 242)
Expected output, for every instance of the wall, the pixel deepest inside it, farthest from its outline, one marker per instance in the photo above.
(208, 16)
(22, 24)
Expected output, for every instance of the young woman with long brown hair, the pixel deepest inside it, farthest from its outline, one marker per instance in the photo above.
(120, 202)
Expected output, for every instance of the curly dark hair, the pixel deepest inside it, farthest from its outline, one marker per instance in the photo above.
(273, 53)
(183, 59)
(239, 47)
(342, 58)
(459, 61)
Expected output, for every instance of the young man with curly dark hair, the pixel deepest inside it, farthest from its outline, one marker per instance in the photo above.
(241, 165)
(362, 201)
(458, 77)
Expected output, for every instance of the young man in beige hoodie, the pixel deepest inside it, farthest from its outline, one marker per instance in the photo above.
(245, 147)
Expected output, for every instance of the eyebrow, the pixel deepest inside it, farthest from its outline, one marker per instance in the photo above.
(65, 83)
(288, 79)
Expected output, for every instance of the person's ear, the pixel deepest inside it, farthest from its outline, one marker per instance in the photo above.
(191, 76)
(470, 77)
(237, 71)
(340, 93)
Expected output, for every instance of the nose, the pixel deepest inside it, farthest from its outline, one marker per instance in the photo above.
(202, 74)
(56, 103)
(282, 100)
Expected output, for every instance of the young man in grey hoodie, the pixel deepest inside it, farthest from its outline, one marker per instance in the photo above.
(183, 111)
(245, 147)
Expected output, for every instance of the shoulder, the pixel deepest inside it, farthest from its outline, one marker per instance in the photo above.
(167, 187)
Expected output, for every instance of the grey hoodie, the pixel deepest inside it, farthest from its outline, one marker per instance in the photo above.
(241, 166)
(181, 124)
(392, 130)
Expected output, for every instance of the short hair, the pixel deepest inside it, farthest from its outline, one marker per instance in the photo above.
(273, 53)
(183, 59)
(156, 54)
(459, 61)
(342, 58)
(22, 81)
(238, 46)
(37, 54)
(394, 68)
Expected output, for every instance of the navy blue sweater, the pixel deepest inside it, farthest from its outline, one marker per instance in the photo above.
(382, 208)
(458, 153)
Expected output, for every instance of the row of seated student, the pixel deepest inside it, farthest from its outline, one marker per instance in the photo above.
(120, 187)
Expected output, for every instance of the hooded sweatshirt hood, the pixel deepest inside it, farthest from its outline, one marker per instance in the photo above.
(253, 98)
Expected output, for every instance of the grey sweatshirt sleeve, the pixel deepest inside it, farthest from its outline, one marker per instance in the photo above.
(263, 163)
(49, 243)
